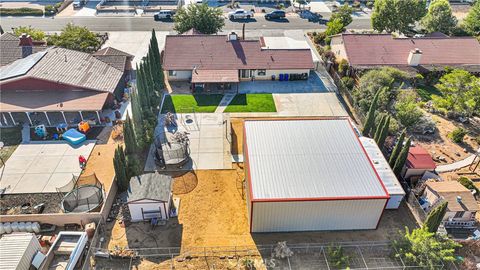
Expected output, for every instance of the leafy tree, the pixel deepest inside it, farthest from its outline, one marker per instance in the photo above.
(334, 27)
(379, 127)
(373, 80)
(344, 13)
(137, 116)
(202, 18)
(407, 110)
(371, 114)
(120, 166)
(383, 133)
(36, 34)
(129, 136)
(435, 217)
(402, 158)
(466, 182)
(460, 93)
(425, 249)
(397, 15)
(77, 38)
(439, 17)
(457, 135)
(156, 65)
(471, 23)
(397, 149)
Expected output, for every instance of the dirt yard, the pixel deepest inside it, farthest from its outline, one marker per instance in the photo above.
(237, 136)
(100, 161)
(439, 145)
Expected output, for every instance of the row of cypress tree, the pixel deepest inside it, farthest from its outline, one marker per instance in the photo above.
(139, 129)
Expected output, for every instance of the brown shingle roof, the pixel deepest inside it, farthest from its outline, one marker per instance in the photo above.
(31, 101)
(10, 51)
(212, 52)
(382, 49)
(76, 68)
(111, 51)
(214, 76)
(449, 190)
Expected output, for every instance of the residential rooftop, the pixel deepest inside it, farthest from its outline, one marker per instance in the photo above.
(217, 52)
(452, 191)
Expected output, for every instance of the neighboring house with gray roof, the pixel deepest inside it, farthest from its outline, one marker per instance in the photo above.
(150, 196)
(58, 85)
(12, 51)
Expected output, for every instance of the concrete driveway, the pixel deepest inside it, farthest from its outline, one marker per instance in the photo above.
(313, 85)
(134, 43)
(41, 167)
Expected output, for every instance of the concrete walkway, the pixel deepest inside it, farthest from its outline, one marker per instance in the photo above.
(227, 98)
(456, 165)
(26, 133)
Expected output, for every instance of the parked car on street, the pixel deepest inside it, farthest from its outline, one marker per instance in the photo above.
(240, 14)
(77, 4)
(276, 14)
(163, 15)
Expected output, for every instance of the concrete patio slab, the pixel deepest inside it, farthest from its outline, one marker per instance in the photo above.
(311, 104)
(40, 167)
(34, 181)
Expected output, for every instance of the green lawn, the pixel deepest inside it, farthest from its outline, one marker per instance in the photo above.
(252, 103)
(187, 103)
(426, 92)
(11, 137)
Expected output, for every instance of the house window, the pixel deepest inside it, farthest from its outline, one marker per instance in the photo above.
(261, 72)
(459, 214)
(172, 73)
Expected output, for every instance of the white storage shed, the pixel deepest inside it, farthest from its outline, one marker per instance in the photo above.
(17, 251)
(309, 174)
(150, 196)
(393, 186)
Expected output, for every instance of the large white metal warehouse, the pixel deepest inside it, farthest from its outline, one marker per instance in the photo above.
(393, 186)
(309, 174)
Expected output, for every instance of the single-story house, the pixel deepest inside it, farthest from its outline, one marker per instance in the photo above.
(308, 175)
(58, 85)
(462, 206)
(17, 250)
(150, 196)
(422, 54)
(393, 186)
(418, 162)
(225, 60)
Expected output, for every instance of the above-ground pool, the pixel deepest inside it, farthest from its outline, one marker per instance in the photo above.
(74, 137)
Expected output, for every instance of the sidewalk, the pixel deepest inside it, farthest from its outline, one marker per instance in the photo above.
(456, 165)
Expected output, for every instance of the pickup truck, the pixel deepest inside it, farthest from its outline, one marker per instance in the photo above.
(240, 14)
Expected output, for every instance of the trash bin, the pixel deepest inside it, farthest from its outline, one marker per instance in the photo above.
(280, 77)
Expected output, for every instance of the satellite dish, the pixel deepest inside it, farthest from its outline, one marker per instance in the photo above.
(1, 145)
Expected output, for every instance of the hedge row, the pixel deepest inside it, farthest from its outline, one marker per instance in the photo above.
(21, 12)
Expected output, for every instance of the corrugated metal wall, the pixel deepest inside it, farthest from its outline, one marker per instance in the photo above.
(17, 251)
(316, 215)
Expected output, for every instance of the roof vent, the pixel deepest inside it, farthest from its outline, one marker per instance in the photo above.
(232, 36)
(414, 57)
(459, 199)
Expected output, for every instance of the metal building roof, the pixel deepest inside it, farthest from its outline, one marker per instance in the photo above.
(389, 179)
(308, 159)
(13, 248)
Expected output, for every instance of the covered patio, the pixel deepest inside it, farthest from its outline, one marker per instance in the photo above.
(214, 81)
(51, 108)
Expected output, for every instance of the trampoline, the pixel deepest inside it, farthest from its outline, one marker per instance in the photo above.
(74, 137)
(83, 199)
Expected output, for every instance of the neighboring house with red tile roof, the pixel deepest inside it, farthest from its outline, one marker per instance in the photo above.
(227, 59)
(462, 206)
(418, 162)
(423, 54)
(59, 81)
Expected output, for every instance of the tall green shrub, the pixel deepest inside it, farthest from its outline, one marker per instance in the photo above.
(378, 128)
(129, 136)
(383, 133)
(371, 115)
(402, 158)
(435, 217)
(397, 149)
(120, 166)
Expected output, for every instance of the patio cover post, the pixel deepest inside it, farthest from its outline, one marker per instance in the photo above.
(29, 119)
(99, 121)
(13, 120)
(48, 119)
(81, 115)
(64, 118)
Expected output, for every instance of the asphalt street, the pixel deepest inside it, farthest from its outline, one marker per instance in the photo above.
(147, 23)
